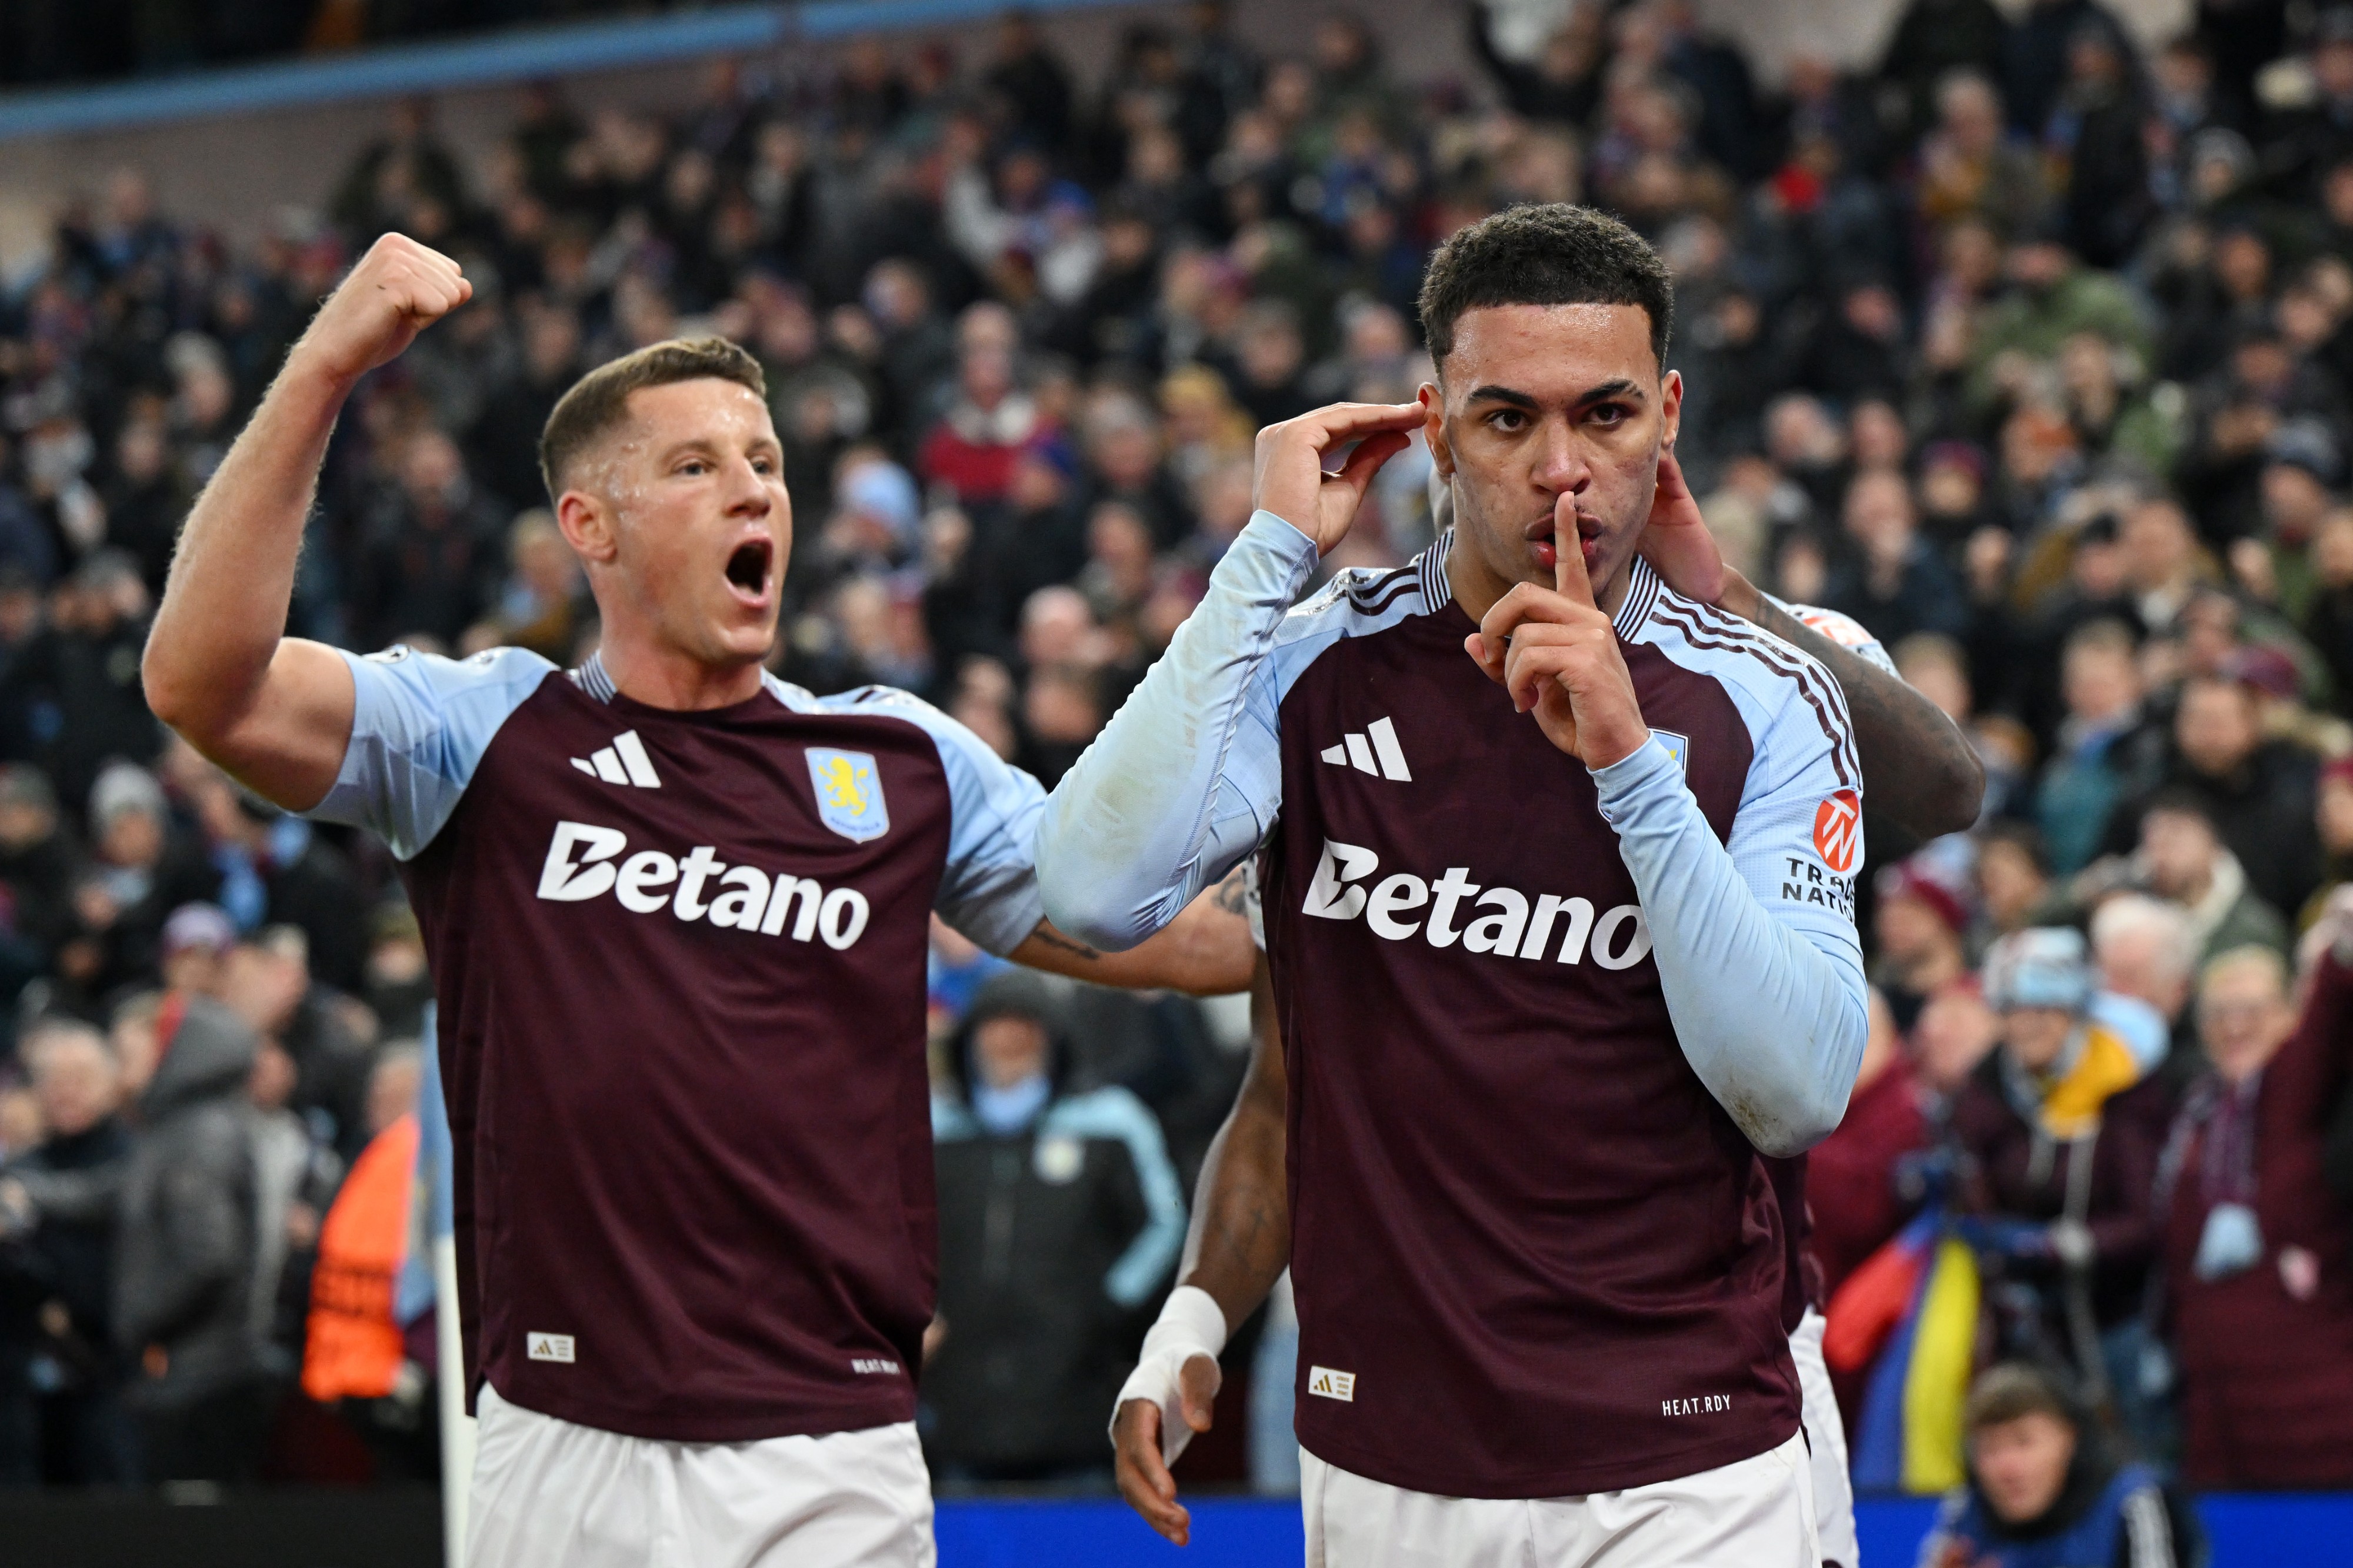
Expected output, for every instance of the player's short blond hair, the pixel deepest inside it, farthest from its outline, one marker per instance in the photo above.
(600, 400)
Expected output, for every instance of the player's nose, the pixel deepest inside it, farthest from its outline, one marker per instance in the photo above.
(1561, 465)
(748, 492)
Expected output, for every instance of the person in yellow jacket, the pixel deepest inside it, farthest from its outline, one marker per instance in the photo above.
(2060, 1128)
(358, 1357)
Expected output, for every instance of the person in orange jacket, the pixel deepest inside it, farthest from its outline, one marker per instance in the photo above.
(358, 1356)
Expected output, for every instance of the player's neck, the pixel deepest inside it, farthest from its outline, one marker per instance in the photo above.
(644, 670)
(1476, 587)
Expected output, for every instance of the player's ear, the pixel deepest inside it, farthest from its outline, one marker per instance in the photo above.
(588, 525)
(1433, 428)
(1671, 407)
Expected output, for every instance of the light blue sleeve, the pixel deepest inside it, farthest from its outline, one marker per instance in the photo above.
(1115, 1113)
(420, 724)
(1186, 777)
(989, 892)
(1754, 936)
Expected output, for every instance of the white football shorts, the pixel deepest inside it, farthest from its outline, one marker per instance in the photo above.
(1753, 1513)
(1826, 1434)
(549, 1494)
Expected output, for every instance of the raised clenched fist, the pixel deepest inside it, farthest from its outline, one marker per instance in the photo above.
(398, 289)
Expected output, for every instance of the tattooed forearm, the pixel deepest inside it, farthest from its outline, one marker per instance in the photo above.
(1230, 895)
(1052, 938)
(1917, 768)
(1245, 1232)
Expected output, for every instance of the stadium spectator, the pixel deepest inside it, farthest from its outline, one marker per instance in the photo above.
(2061, 1133)
(62, 1420)
(1854, 1177)
(2147, 949)
(267, 980)
(186, 1260)
(2258, 791)
(1919, 923)
(2013, 876)
(2045, 1488)
(355, 1355)
(2183, 860)
(1059, 1219)
(2255, 1248)
(2103, 752)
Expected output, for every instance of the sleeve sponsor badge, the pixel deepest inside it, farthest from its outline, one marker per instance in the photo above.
(1838, 830)
(849, 793)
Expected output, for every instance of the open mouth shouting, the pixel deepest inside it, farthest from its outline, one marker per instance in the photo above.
(751, 566)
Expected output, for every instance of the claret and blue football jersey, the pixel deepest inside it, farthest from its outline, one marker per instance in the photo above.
(1542, 1025)
(680, 959)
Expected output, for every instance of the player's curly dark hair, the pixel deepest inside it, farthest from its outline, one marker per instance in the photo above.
(600, 400)
(1553, 254)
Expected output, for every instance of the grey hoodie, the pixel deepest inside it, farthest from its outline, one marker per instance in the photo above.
(186, 1242)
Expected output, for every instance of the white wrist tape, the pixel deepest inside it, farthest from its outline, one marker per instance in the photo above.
(1191, 1323)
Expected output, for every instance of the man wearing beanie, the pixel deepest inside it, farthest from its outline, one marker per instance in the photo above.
(2063, 1130)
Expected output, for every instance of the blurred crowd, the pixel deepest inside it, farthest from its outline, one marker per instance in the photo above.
(2029, 348)
(46, 42)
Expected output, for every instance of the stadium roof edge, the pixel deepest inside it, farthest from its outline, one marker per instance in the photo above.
(521, 55)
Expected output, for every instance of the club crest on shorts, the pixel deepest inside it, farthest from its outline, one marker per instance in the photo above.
(849, 793)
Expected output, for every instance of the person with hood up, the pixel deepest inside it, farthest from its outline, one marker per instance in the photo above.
(2060, 1128)
(187, 1227)
(2044, 1490)
(185, 1254)
(1059, 1219)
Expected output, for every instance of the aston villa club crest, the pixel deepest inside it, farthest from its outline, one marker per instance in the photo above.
(849, 793)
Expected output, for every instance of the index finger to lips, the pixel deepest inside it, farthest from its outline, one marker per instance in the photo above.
(1569, 554)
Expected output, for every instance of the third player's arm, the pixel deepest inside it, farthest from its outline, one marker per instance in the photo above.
(276, 710)
(1237, 1247)
(1923, 775)
(1240, 1240)
(1205, 951)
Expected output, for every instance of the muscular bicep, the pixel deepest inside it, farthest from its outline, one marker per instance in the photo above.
(288, 745)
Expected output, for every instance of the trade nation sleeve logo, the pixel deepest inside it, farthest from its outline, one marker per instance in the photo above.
(1838, 830)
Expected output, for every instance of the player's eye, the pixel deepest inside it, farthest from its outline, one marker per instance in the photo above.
(694, 468)
(1608, 414)
(1508, 421)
